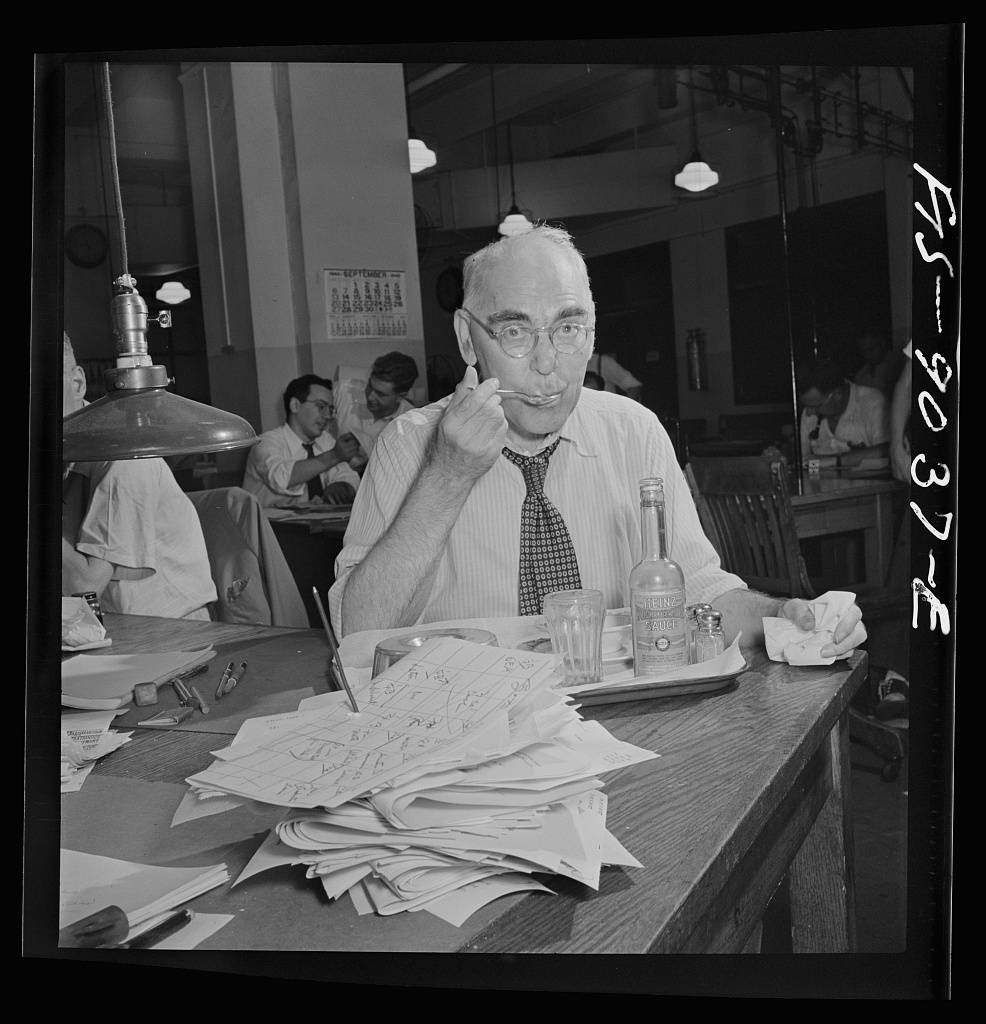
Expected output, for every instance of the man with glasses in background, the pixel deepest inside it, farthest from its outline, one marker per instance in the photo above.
(297, 462)
(522, 481)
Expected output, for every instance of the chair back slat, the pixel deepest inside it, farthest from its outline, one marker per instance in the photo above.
(745, 507)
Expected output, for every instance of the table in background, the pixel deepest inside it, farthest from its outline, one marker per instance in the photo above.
(748, 798)
(311, 541)
(835, 502)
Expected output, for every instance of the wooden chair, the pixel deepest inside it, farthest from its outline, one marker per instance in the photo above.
(744, 505)
(745, 508)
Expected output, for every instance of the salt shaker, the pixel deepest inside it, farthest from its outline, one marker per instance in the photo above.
(709, 638)
(692, 613)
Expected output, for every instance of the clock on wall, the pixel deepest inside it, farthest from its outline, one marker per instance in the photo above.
(86, 245)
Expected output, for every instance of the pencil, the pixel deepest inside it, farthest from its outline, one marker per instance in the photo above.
(203, 707)
(335, 651)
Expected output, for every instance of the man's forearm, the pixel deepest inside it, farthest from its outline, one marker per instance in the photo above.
(386, 589)
(305, 469)
(743, 612)
(82, 573)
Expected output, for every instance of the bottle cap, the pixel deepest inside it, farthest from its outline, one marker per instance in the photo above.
(710, 617)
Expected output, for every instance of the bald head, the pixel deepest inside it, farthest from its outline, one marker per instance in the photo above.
(540, 244)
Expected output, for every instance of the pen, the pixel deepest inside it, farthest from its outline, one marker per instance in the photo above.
(184, 697)
(235, 678)
(220, 689)
(335, 651)
(160, 931)
(203, 707)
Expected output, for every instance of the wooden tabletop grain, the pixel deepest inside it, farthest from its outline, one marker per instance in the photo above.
(748, 790)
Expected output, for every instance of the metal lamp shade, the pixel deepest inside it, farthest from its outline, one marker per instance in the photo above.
(148, 423)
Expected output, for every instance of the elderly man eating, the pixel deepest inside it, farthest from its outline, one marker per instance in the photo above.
(522, 481)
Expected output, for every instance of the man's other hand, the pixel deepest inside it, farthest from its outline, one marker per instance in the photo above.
(849, 633)
(338, 493)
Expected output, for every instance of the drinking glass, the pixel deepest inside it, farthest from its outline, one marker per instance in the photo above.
(575, 623)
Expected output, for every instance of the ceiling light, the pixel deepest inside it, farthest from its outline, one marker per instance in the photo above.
(172, 292)
(696, 175)
(420, 156)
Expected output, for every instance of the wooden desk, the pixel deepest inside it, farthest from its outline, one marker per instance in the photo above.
(749, 796)
(834, 503)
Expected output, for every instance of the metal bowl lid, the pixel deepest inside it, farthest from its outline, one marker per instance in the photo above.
(398, 646)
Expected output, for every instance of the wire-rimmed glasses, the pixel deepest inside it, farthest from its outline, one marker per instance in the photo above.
(518, 339)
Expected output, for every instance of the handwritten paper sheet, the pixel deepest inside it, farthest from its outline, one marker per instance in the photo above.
(86, 737)
(431, 704)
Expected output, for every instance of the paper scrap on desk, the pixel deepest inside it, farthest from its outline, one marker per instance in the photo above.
(195, 932)
(81, 630)
(86, 738)
(787, 642)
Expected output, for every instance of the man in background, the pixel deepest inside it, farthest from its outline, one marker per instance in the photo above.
(841, 419)
(298, 462)
(615, 378)
(129, 533)
(362, 420)
(881, 365)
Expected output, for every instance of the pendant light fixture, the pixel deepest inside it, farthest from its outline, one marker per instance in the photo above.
(138, 418)
(515, 222)
(696, 175)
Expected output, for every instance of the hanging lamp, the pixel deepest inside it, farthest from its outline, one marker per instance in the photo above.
(138, 418)
(515, 222)
(419, 155)
(696, 175)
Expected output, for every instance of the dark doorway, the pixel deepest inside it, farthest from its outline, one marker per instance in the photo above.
(635, 319)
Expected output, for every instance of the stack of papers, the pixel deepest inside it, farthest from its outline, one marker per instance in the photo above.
(147, 895)
(104, 682)
(85, 739)
(464, 773)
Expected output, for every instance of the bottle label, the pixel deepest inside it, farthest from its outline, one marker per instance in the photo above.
(660, 637)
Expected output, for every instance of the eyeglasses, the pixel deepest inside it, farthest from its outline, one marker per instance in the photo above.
(323, 407)
(518, 340)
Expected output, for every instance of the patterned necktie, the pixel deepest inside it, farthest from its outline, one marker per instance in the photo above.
(547, 556)
(315, 484)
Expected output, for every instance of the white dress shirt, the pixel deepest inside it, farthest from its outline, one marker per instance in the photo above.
(141, 521)
(271, 462)
(864, 421)
(607, 445)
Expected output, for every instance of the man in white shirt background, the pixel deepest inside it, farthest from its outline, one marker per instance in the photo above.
(298, 461)
(361, 419)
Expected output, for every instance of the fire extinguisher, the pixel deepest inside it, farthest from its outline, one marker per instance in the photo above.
(695, 356)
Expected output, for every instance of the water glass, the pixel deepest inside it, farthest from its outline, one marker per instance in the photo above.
(575, 623)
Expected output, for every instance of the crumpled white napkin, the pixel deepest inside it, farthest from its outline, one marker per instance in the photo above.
(79, 623)
(787, 642)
